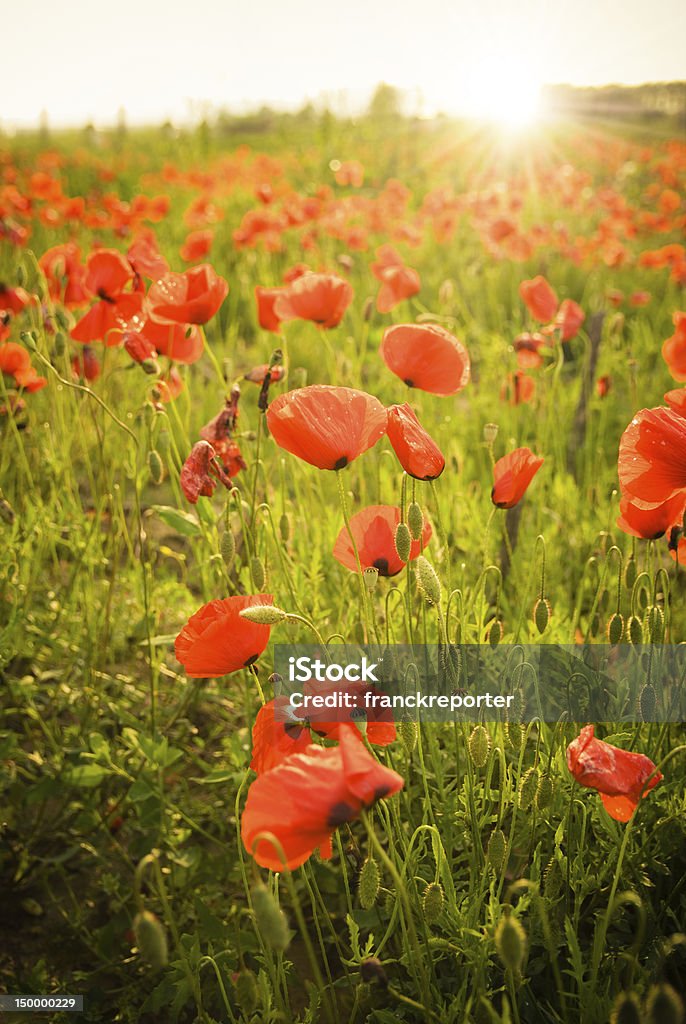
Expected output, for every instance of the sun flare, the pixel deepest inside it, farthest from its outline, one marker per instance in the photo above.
(503, 91)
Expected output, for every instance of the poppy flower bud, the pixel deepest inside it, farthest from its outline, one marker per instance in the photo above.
(151, 367)
(664, 1005)
(542, 614)
(247, 994)
(257, 573)
(553, 879)
(270, 918)
(367, 310)
(151, 939)
(227, 548)
(264, 614)
(370, 575)
(21, 275)
(276, 681)
(62, 319)
(163, 441)
(479, 745)
(495, 633)
(656, 621)
(490, 432)
(427, 580)
(626, 1009)
(510, 941)
(513, 732)
(615, 628)
(647, 703)
(432, 902)
(495, 850)
(371, 969)
(527, 789)
(60, 343)
(285, 528)
(369, 883)
(403, 542)
(544, 792)
(407, 730)
(415, 520)
(630, 572)
(29, 339)
(155, 466)
(635, 630)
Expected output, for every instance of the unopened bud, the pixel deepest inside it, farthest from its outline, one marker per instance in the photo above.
(427, 580)
(495, 850)
(151, 367)
(527, 788)
(285, 528)
(264, 614)
(247, 992)
(60, 343)
(510, 941)
(257, 573)
(635, 630)
(615, 628)
(151, 939)
(432, 902)
(403, 542)
(664, 1005)
(553, 879)
(415, 520)
(479, 745)
(270, 918)
(21, 275)
(227, 548)
(407, 730)
(29, 339)
(155, 466)
(541, 614)
(630, 572)
(495, 633)
(368, 887)
(647, 703)
(626, 1009)
(544, 792)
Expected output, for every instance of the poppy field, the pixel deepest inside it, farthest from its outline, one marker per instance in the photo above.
(339, 383)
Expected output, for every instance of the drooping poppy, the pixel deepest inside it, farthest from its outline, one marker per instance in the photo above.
(569, 319)
(276, 735)
(512, 475)
(427, 357)
(321, 298)
(192, 297)
(266, 315)
(216, 640)
(374, 531)
(417, 452)
(397, 284)
(539, 298)
(326, 426)
(86, 365)
(651, 523)
(305, 798)
(620, 776)
(200, 473)
(652, 457)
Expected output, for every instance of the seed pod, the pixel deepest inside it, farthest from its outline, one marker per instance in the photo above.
(528, 788)
(370, 575)
(264, 614)
(626, 1009)
(490, 432)
(368, 886)
(155, 466)
(227, 548)
(427, 580)
(635, 630)
(647, 703)
(664, 1005)
(510, 941)
(542, 614)
(151, 939)
(630, 572)
(285, 528)
(615, 628)
(407, 730)
(544, 792)
(270, 918)
(495, 633)
(415, 520)
(403, 542)
(495, 851)
(553, 879)
(432, 902)
(258, 574)
(247, 993)
(479, 745)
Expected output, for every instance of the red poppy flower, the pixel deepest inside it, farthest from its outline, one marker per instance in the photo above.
(14, 299)
(216, 640)
(181, 342)
(138, 346)
(539, 298)
(676, 400)
(674, 348)
(321, 298)
(258, 373)
(107, 274)
(200, 473)
(189, 298)
(518, 389)
(640, 298)
(146, 259)
(86, 365)
(417, 452)
(397, 284)
(512, 475)
(569, 319)
(603, 386)
(652, 457)
(274, 739)
(528, 346)
(651, 523)
(326, 426)
(266, 315)
(197, 245)
(620, 776)
(379, 726)
(64, 274)
(310, 794)
(374, 531)
(427, 357)
(16, 362)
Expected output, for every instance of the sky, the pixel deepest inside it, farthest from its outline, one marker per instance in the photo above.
(176, 59)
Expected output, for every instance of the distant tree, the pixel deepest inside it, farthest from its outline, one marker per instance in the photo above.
(385, 103)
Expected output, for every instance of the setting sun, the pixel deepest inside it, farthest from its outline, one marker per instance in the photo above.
(503, 90)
